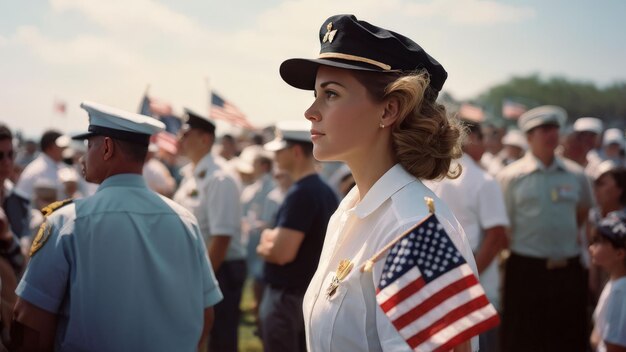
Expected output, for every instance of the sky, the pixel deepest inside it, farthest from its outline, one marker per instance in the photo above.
(113, 51)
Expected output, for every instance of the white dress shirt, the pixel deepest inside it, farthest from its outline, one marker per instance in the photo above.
(476, 200)
(43, 167)
(351, 320)
(212, 195)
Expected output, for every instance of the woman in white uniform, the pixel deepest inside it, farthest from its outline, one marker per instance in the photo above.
(375, 110)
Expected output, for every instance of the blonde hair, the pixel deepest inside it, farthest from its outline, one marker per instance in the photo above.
(424, 139)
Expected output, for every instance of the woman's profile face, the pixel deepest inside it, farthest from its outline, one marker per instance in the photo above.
(345, 119)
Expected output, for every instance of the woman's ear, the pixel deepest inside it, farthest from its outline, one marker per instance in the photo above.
(392, 111)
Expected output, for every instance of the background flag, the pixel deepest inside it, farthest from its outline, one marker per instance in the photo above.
(224, 110)
(60, 107)
(430, 293)
(166, 141)
(512, 110)
(471, 112)
(162, 111)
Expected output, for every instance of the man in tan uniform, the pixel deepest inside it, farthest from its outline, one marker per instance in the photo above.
(547, 198)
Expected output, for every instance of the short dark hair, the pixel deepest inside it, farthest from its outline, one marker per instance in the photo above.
(5, 133)
(307, 148)
(133, 151)
(48, 138)
(619, 175)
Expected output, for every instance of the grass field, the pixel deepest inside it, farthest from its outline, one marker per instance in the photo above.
(248, 342)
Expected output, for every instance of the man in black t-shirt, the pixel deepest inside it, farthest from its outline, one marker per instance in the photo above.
(292, 249)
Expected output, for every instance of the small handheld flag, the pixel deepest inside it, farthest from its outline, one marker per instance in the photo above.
(430, 293)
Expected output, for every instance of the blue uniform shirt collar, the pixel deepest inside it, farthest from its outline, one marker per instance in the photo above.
(534, 164)
(126, 180)
(386, 186)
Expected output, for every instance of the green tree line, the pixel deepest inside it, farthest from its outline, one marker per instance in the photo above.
(578, 98)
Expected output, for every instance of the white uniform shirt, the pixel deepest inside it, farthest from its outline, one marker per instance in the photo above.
(352, 320)
(610, 314)
(212, 195)
(42, 167)
(476, 200)
(158, 177)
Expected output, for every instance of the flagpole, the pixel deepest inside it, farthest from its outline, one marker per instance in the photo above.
(369, 264)
(208, 90)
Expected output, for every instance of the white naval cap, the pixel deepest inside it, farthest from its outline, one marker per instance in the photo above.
(588, 124)
(289, 131)
(515, 138)
(613, 135)
(119, 124)
(603, 168)
(542, 115)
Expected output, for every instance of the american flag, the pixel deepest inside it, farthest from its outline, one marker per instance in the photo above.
(162, 111)
(512, 110)
(60, 107)
(471, 112)
(430, 293)
(224, 110)
(166, 141)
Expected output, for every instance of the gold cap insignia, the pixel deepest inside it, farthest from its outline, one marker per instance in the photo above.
(40, 239)
(330, 33)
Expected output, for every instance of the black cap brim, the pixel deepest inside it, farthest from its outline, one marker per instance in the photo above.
(83, 136)
(301, 73)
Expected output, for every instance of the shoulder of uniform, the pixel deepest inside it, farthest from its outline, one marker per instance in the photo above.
(572, 166)
(50, 208)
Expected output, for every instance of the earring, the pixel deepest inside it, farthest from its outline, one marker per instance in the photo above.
(381, 125)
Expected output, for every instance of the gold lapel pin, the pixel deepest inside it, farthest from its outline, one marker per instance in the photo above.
(343, 269)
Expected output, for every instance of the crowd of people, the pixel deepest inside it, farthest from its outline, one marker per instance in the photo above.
(116, 240)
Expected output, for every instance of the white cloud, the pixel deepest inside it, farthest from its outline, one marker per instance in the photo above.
(143, 42)
(136, 15)
(471, 12)
(3, 41)
(83, 49)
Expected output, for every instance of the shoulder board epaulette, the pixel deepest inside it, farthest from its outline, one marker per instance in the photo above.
(50, 208)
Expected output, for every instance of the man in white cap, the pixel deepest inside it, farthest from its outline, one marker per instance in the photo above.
(547, 199)
(292, 249)
(210, 192)
(46, 165)
(122, 270)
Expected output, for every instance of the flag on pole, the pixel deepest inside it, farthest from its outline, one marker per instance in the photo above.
(60, 107)
(471, 112)
(222, 109)
(512, 110)
(430, 293)
(161, 110)
(166, 141)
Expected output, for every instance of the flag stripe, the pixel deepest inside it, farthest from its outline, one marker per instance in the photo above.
(428, 290)
(434, 300)
(467, 334)
(447, 320)
(436, 314)
(403, 293)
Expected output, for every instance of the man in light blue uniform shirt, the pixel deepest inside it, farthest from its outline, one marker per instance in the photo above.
(123, 270)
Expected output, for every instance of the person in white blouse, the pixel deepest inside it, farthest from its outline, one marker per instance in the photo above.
(46, 165)
(375, 110)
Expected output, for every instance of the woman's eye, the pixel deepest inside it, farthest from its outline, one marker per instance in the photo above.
(330, 94)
